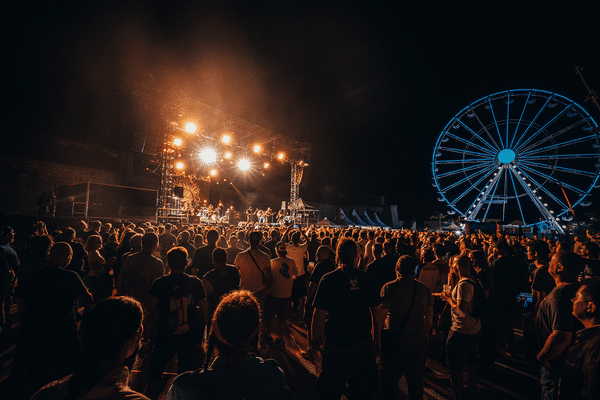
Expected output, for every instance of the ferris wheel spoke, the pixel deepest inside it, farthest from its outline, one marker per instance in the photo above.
(463, 151)
(469, 143)
(512, 142)
(545, 190)
(486, 130)
(554, 136)
(532, 123)
(471, 188)
(560, 156)
(551, 178)
(460, 161)
(466, 179)
(512, 180)
(472, 132)
(559, 168)
(534, 135)
(496, 123)
(496, 182)
(462, 170)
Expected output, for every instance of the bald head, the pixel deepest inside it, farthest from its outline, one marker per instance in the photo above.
(60, 254)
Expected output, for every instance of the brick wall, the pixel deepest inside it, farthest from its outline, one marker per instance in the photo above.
(25, 181)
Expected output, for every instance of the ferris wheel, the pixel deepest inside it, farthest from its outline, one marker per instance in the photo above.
(524, 154)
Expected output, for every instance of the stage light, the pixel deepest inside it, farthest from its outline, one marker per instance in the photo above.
(228, 155)
(226, 139)
(177, 142)
(257, 148)
(266, 165)
(179, 165)
(244, 164)
(281, 156)
(190, 127)
(208, 156)
(213, 172)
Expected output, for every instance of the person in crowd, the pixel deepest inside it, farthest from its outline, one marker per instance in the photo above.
(255, 272)
(279, 299)
(99, 278)
(135, 243)
(271, 244)
(79, 253)
(110, 333)
(233, 250)
(347, 309)
(461, 345)
(47, 345)
(407, 308)
(554, 322)
(9, 267)
(166, 240)
(183, 240)
(297, 245)
(428, 273)
(222, 279)
(202, 262)
(383, 270)
(180, 302)
(507, 275)
(140, 270)
(324, 265)
(580, 378)
(38, 247)
(483, 275)
(231, 370)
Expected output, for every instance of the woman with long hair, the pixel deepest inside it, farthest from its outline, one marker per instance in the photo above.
(231, 370)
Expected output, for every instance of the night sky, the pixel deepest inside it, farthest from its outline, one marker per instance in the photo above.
(369, 84)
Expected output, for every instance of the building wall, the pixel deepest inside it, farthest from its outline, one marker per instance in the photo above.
(25, 181)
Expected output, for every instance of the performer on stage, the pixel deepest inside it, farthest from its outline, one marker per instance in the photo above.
(250, 215)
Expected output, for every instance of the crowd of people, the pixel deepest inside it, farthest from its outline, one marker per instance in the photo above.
(219, 297)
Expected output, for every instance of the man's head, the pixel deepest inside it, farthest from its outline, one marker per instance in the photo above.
(136, 242)
(347, 253)
(281, 249)
(586, 302)
(565, 266)
(254, 238)
(463, 265)
(60, 254)
(212, 236)
(538, 250)
(7, 234)
(405, 267)
(149, 241)
(323, 253)
(177, 259)
(219, 256)
(296, 237)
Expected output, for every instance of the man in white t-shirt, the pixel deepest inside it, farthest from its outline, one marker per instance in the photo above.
(279, 300)
(297, 251)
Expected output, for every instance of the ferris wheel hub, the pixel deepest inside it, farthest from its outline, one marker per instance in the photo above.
(506, 156)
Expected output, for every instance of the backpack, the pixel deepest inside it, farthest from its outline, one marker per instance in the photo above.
(480, 302)
(429, 275)
(182, 311)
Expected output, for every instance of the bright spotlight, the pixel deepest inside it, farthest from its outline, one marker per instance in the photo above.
(179, 165)
(281, 156)
(257, 148)
(177, 142)
(266, 165)
(226, 139)
(208, 156)
(228, 155)
(190, 127)
(244, 164)
(213, 172)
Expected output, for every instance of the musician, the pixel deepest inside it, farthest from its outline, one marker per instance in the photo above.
(267, 215)
(250, 215)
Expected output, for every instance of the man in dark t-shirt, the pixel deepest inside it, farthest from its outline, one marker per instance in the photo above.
(182, 313)
(554, 322)
(48, 344)
(347, 304)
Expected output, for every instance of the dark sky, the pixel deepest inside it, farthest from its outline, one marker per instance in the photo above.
(369, 84)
